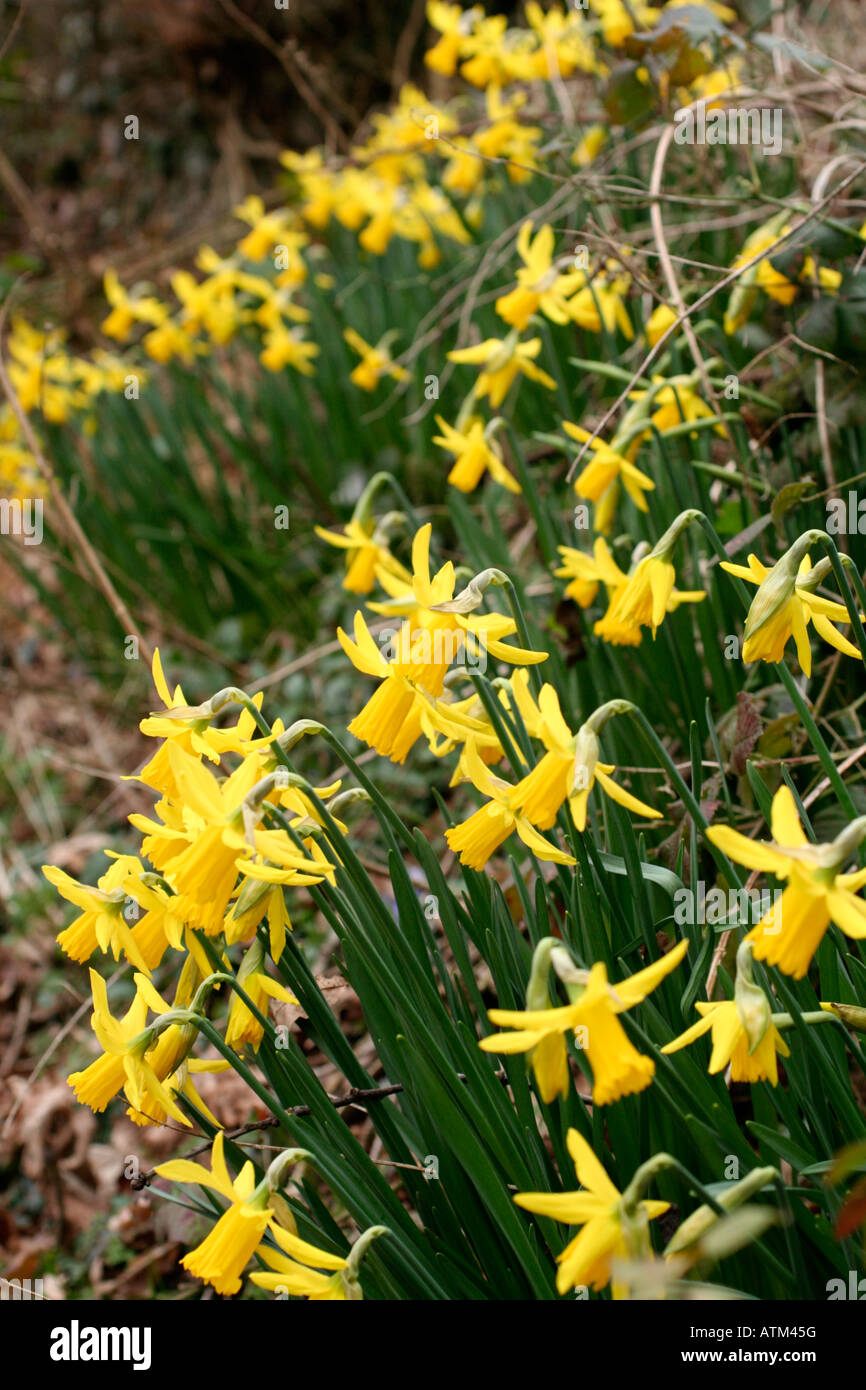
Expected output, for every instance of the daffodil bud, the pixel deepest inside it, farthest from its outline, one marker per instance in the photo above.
(850, 1014)
(732, 1196)
(276, 1171)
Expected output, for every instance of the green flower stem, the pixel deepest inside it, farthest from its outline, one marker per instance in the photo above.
(607, 369)
(782, 1021)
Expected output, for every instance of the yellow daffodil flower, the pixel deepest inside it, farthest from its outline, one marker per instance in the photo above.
(128, 1061)
(193, 732)
(618, 20)
(287, 347)
(570, 767)
(367, 551)
(605, 467)
(297, 1271)
(786, 604)
(597, 1208)
(375, 363)
(646, 596)
(439, 627)
(474, 452)
(102, 924)
(590, 146)
(223, 1255)
(243, 1026)
(816, 892)
(501, 361)
(541, 286)
(200, 843)
(731, 1044)
(390, 721)
(128, 310)
(743, 1030)
(618, 1069)
(599, 302)
(477, 838)
(659, 321)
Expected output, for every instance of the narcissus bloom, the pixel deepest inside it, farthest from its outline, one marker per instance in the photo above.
(675, 402)
(128, 310)
(375, 363)
(618, 1069)
(440, 627)
(785, 605)
(486, 65)
(660, 320)
(454, 24)
(817, 893)
(477, 838)
(590, 146)
(102, 924)
(646, 597)
(390, 721)
(731, 1044)
(366, 550)
(501, 360)
(599, 302)
(287, 347)
(606, 466)
(743, 1031)
(128, 1060)
(587, 572)
(201, 839)
(474, 452)
(542, 287)
(243, 1026)
(225, 1252)
(570, 767)
(193, 732)
(564, 45)
(297, 1272)
(598, 1209)
(763, 275)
